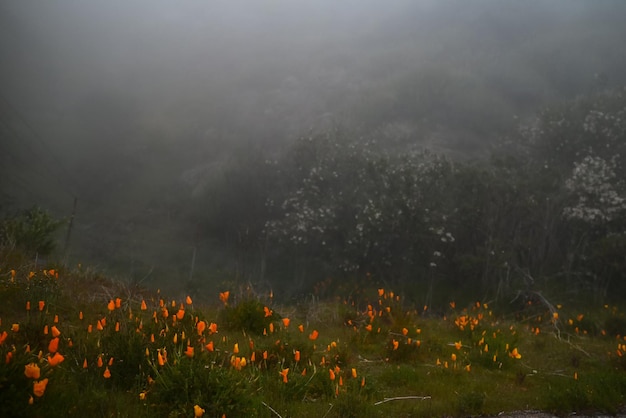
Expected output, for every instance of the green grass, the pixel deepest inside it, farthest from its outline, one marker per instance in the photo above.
(373, 357)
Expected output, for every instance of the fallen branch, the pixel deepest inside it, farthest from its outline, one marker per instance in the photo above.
(401, 398)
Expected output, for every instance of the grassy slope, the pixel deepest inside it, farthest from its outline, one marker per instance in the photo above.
(568, 363)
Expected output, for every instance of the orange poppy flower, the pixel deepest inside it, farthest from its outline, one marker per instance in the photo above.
(381, 292)
(85, 364)
(313, 335)
(197, 411)
(189, 351)
(28, 305)
(41, 305)
(111, 305)
(213, 327)
(286, 322)
(55, 360)
(224, 297)
(39, 387)
(160, 358)
(396, 344)
(301, 328)
(53, 346)
(32, 371)
(296, 355)
(188, 300)
(210, 346)
(200, 326)
(353, 373)
(236, 348)
(107, 373)
(180, 314)
(268, 311)
(144, 307)
(331, 374)
(284, 374)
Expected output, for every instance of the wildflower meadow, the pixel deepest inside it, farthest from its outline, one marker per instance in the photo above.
(77, 345)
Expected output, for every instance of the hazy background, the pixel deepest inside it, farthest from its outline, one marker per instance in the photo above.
(134, 108)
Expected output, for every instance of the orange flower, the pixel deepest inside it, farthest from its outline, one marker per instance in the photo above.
(296, 355)
(213, 327)
(368, 327)
(15, 327)
(210, 346)
(111, 305)
(286, 322)
(395, 344)
(28, 305)
(197, 411)
(405, 331)
(200, 326)
(331, 374)
(453, 357)
(188, 300)
(55, 360)
(236, 348)
(189, 351)
(268, 311)
(224, 297)
(100, 363)
(144, 307)
(301, 328)
(32, 371)
(107, 373)
(284, 374)
(41, 305)
(118, 303)
(100, 325)
(39, 387)
(265, 355)
(53, 347)
(381, 292)
(515, 354)
(313, 335)
(160, 358)
(80, 315)
(180, 314)
(353, 373)
(85, 364)
(55, 331)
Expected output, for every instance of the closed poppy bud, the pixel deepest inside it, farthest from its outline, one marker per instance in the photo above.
(236, 348)
(41, 305)
(160, 359)
(40, 387)
(301, 328)
(111, 361)
(80, 315)
(118, 303)
(353, 373)
(286, 322)
(111, 305)
(85, 364)
(107, 373)
(56, 319)
(144, 307)
(296, 355)
(53, 347)
(99, 326)
(210, 346)
(32, 371)
(201, 326)
(55, 331)
(100, 363)
(31, 400)
(331, 374)
(180, 314)
(188, 300)
(395, 344)
(313, 335)
(28, 305)
(271, 327)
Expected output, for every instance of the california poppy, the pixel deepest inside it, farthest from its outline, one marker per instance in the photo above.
(111, 305)
(55, 331)
(313, 335)
(198, 411)
(144, 307)
(188, 300)
(55, 360)
(107, 373)
(32, 371)
(39, 387)
(53, 346)
(224, 297)
(189, 351)
(296, 355)
(286, 322)
(284, 374)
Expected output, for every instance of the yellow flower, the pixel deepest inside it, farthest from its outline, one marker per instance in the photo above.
(39, 387)
(32, 371)
(198, 411)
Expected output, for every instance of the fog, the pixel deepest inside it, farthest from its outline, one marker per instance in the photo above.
(131, 107)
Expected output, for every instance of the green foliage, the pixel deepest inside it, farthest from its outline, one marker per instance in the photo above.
(247, 315)
(30, 232)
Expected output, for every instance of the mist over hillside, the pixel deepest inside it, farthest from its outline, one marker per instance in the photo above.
(159, 116)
